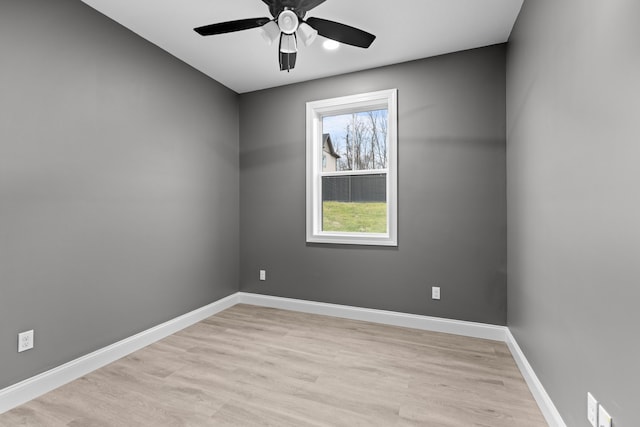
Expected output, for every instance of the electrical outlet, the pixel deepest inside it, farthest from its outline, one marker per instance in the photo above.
(263, 274)
(435, 292)
(604, 419)
(592, 410)
(25, 341)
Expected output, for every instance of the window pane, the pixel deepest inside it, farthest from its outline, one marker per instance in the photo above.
(354, 203)
(356, 141)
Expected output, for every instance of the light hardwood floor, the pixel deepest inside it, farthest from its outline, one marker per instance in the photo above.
(251, 366)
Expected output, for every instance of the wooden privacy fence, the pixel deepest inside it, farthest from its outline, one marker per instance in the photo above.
(355, 188)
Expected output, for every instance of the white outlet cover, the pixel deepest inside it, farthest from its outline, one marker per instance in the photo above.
(592, 410)
(25, 341)
(604, 419)
(263, 274)
(435, 292)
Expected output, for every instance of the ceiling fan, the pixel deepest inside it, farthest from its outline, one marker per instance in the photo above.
(288, 24)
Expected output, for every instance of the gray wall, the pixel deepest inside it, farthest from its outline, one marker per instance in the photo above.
(573, 201)
(452, 225)
(118, 185)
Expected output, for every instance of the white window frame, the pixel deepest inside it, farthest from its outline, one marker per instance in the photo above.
(316, 110)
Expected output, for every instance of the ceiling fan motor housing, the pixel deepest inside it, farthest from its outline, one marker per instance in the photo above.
(288, 21)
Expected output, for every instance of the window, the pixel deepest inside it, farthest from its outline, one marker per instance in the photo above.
(352, 169)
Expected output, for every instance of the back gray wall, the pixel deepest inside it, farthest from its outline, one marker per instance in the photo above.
(574, 206)
(452, 225)
(118, 185)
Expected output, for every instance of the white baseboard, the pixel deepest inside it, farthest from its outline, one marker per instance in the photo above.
(436, 324)
(38, 385)
(545, 403)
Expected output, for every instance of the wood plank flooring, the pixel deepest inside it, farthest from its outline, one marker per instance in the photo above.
(255, 366)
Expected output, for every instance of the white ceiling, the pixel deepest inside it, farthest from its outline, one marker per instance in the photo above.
(242, 61)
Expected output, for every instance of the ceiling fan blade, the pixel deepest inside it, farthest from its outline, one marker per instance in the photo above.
(307, 5)
(275, 6)
(342, 33)
(231, 26)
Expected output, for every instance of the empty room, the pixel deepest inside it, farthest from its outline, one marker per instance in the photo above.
(319, 213)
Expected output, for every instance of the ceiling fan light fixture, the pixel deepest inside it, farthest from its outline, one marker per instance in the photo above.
(306, 33)
(330, 44)
(288, 21)
(270, 32)
(288, 43)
